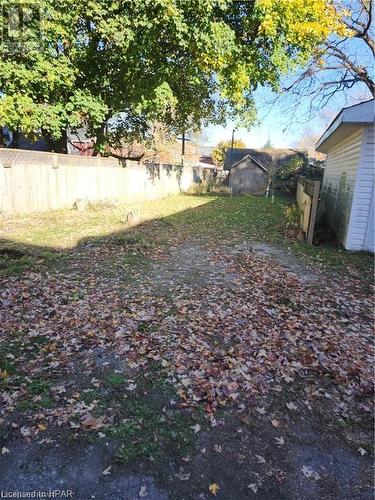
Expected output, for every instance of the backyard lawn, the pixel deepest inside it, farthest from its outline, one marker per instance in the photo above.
(200, 353)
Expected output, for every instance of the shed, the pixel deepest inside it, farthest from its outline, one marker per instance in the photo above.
(250, 169)
(348, 182)
(249, 176)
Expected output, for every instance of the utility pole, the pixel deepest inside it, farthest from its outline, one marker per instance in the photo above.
(231, 149)
(183, 147)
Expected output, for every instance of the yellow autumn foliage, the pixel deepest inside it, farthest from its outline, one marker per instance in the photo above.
(301, 22)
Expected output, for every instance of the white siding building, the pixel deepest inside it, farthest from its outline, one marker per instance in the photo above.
(348, 183)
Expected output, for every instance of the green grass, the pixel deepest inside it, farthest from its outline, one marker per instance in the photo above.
(28, 405)
(147, 427)
(39, 387)
(91, 395)
(15, 349)
(38, 396)
(149, 433)
(336, 259)
(115, 379)
(64, 229)
(207, 218)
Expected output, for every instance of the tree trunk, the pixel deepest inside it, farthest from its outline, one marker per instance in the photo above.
(57, 145)
(62, 143)
(100, 139)
(15, 140)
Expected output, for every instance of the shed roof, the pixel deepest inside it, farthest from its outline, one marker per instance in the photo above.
(264, 156)
(255, 160)
(345, 123)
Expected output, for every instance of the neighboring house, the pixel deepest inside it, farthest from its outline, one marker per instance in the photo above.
(77, 142)
(207, 160)
(348, 182)
(38, 144)
(251, 169)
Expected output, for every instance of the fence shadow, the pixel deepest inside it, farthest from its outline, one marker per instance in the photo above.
(16, 255)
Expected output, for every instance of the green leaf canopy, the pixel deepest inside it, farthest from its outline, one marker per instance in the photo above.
(181, 62)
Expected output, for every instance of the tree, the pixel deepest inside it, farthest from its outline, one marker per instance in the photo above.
(219, 152)
(268, 144)
(114, 66)
(343, 61)
(307, 142)
(284, 179)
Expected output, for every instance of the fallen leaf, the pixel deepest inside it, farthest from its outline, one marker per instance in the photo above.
(214, 488)
(107, 471)
(262, 411)
(183, 476)
(291, 406)
(92, 423)
(308, 472)
(25, 431)
(143, 492)
(253, 487)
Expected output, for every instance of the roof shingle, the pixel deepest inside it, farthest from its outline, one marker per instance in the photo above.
(266, 157)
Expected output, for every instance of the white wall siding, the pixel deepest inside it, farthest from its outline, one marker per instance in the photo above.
(361, 226)
(339, 182)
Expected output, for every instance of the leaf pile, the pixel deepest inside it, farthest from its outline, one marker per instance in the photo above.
(251, 328)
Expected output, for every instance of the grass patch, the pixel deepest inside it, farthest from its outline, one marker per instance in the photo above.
(38, 395)
(9, 352)
(39, 387)
(149, 433)
(90, 395)
(14, 351)
(30, 405)
(206, 217)
(147, 427)
(14, 260)
(134, 260)
(115, 379)
(357, 264)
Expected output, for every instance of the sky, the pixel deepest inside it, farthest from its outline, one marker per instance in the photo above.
(279, 123)
(272, 125)
(282, 124)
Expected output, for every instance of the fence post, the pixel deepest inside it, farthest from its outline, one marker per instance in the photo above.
(314, 207)
(54, 161)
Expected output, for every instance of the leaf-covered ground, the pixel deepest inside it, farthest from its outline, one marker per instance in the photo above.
(198, 354)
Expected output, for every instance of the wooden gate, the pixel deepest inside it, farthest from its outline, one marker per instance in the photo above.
(307, 201)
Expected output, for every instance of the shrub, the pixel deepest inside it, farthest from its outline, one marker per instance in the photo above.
(292, 215)
(285, 180)
(210, 186)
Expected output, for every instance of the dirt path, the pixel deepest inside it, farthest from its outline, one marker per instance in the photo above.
(191, 372)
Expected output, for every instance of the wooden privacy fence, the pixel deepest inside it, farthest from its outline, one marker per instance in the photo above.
(307, 201)
(34, 181)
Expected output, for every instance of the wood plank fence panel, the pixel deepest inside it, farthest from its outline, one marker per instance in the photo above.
(34, 181)
(307, 201)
